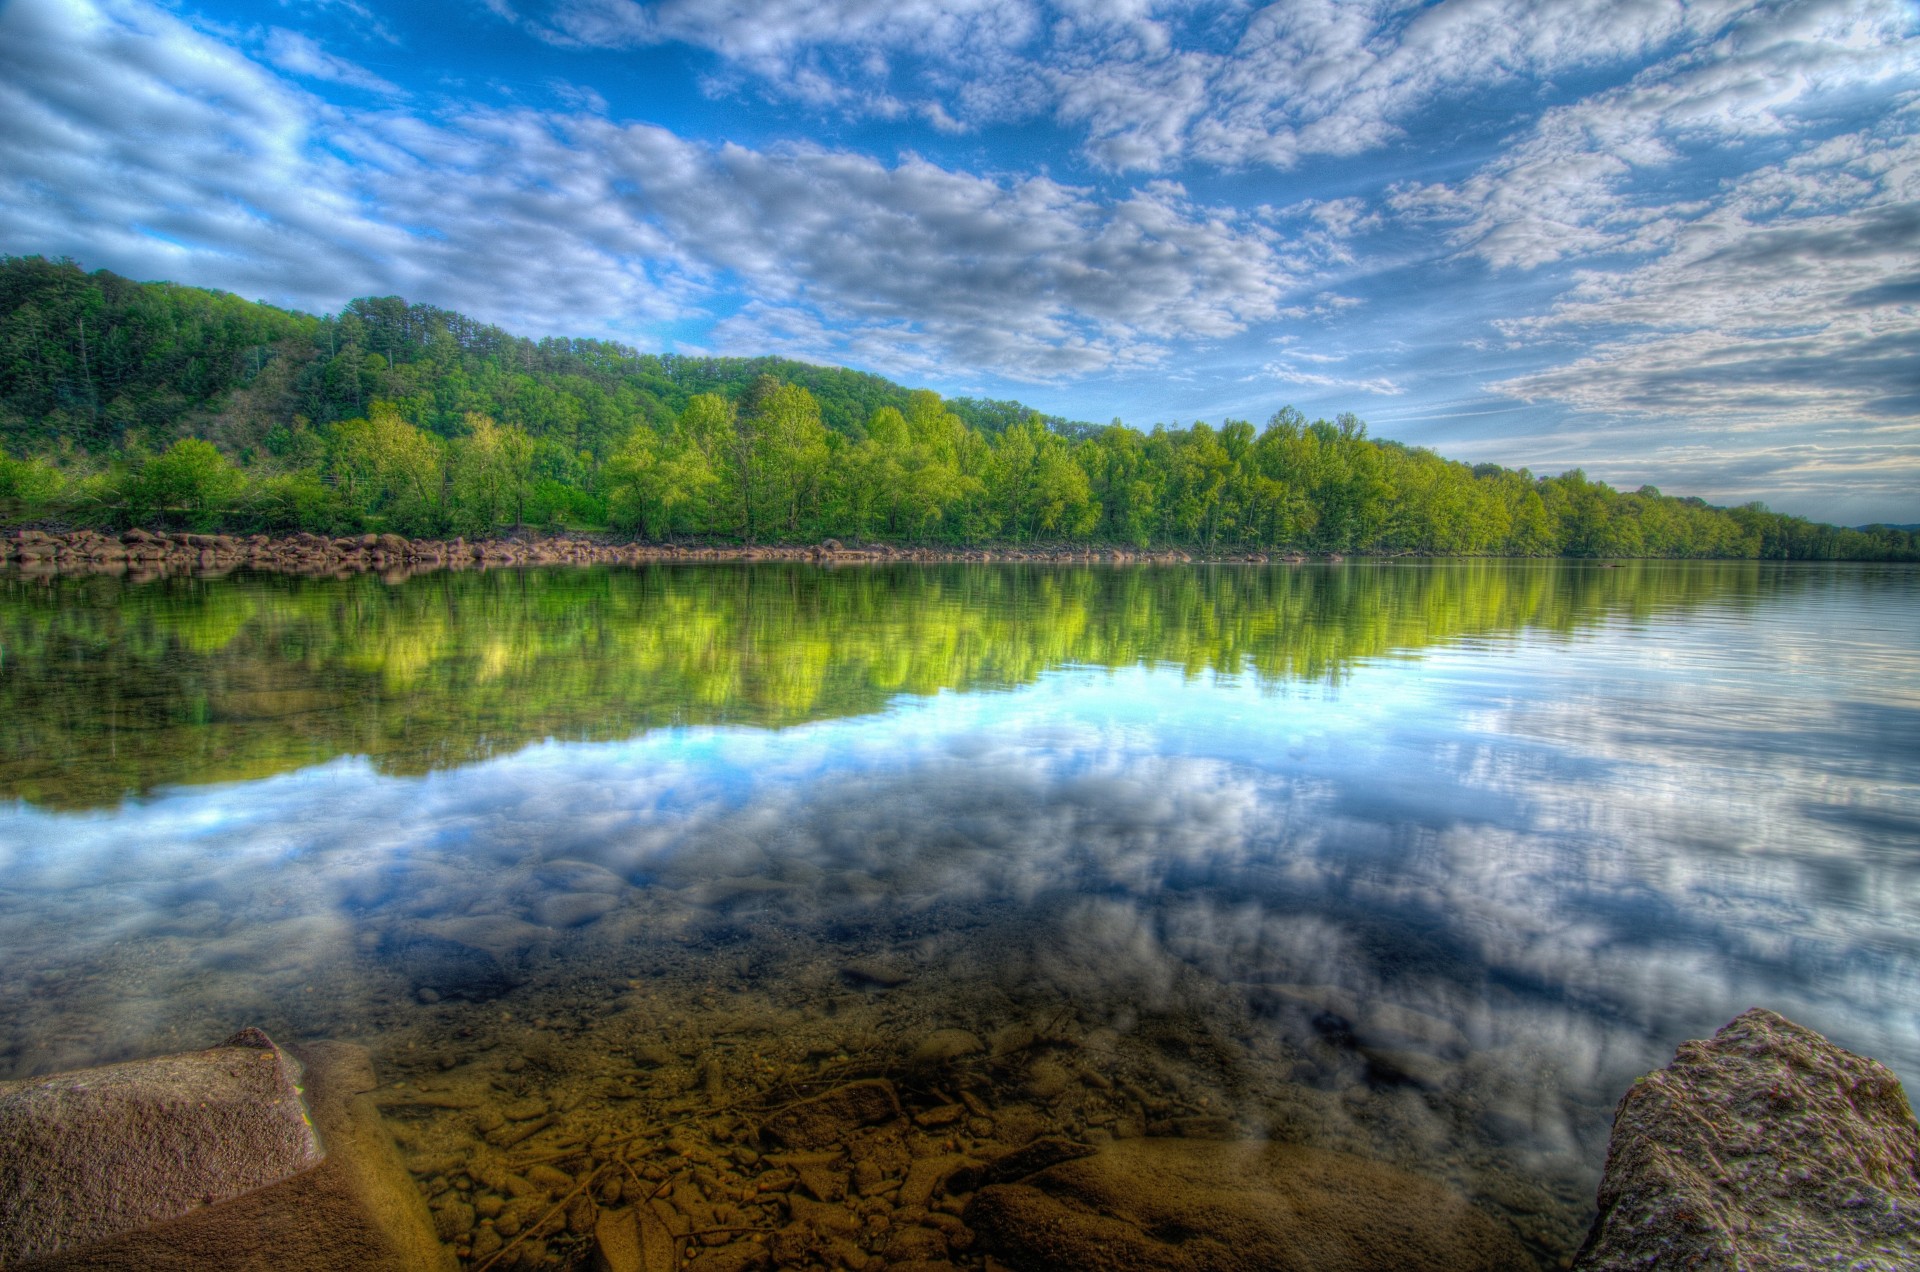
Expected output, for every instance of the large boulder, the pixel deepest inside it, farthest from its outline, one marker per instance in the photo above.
(1180, 1205)
(1765, 1148)
(92, 1153)
(209, 1121)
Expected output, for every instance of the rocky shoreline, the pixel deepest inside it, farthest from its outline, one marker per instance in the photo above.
(145, 553)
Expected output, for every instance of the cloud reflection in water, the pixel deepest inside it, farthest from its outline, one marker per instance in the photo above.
(1509, 875)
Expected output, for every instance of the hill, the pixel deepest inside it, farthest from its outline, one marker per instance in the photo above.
(154, 403)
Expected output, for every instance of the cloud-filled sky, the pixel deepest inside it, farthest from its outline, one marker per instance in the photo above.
(1670, 242)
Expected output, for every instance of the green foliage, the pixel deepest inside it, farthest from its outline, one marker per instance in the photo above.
(29, 487)
(191, 482)
(130, 402)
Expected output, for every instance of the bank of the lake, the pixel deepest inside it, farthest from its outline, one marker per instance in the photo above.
(149, 553)
(144, 551)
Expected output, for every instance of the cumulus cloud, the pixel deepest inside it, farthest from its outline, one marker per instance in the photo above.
(139, 142)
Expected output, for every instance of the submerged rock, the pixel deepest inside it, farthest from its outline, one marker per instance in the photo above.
(357, 1208)
(826, 1118)
(942, 1047)
(1765, 1148)
(89, 1154)
(1171, 1205)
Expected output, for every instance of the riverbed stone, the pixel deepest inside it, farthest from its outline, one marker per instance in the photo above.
(88, 1154)
(942, 1047)
(573, 909)
(357, 1208)
(1766, 1147)
(1173, 1205)
(826, 1118)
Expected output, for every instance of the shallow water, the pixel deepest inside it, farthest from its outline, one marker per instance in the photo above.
(1420, 861)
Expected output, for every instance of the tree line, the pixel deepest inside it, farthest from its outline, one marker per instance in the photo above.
(126, 403)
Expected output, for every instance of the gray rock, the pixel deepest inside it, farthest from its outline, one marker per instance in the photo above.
(1172, 1205)
(1765, 1148)
(89, 1154)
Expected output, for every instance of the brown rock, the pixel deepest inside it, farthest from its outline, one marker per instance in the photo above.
(356, 1209)
(826, 1118)
(1765, 1148)
(89, 1154)
(616, 1243)
(1180, 1206)
(942, 1047)
(929, 1175)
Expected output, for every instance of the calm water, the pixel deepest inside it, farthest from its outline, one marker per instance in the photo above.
(1421, 861)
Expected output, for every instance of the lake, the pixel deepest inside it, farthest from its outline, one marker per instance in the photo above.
(1422, 861)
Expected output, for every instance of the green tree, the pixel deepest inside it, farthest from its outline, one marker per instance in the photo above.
(192, 480)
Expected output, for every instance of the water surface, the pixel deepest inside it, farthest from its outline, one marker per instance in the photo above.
(1420, 861)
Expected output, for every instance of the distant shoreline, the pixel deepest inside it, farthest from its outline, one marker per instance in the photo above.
(149, 554)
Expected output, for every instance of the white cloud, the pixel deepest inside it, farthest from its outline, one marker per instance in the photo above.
(1284, 371)
(1155, 85)
(296, 54)
(1733, 260)
(1788, 300)
(1567, 187)
(139, 143)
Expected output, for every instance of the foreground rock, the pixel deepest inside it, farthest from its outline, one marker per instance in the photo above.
(90, 1154)
(1765, 1148)
(1204, 1206)
(208, 1160)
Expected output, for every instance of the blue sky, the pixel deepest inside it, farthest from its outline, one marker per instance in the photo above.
(1669, 242)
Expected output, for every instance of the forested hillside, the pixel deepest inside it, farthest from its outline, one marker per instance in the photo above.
(151, 403)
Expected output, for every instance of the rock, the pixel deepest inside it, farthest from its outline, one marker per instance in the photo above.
(1048, 1080)
(573, 909)
(822, 1182)
(826, 1118)
(443, 968)
(89, 1154)
(567, 875)
(523, 1110)
(452, 1220)
(939, 1115)
(1418, 1068)
(1765, 1148)
(616, 1243)
(1031, 1158)
(943, 1047)
(548, 1179)
(356, 1209)
(882, 973)
(930, 1175)
(1180, 1206)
